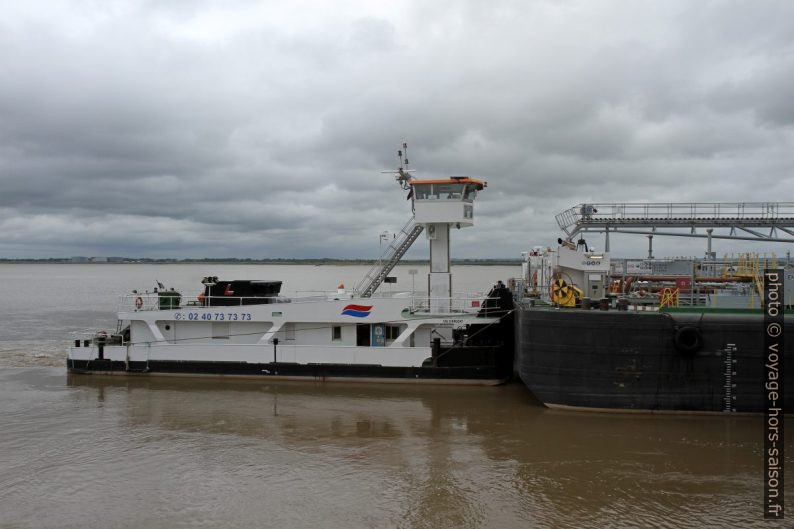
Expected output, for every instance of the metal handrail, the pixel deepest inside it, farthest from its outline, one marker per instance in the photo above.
(365, 286)
(583, 214)
(150, 301)
(465, 304)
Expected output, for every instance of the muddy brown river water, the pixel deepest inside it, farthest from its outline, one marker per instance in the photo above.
(86, 451)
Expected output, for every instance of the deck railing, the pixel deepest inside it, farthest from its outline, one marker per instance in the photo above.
(154, 301)
(572, 220)
(459, 304)
(418, 302)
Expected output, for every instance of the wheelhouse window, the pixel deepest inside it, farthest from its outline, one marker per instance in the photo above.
(448, 191)
(469, 192)
(336, 333)
(422, 191)
(444, 191)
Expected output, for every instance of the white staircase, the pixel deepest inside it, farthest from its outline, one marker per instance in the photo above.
(387, 261)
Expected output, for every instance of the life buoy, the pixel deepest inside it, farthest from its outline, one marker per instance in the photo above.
(138, 302)
(688, 339)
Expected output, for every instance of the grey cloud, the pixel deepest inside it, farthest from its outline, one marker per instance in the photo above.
(244, 129)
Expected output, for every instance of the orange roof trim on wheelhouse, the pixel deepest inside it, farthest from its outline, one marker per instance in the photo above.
(453, 180)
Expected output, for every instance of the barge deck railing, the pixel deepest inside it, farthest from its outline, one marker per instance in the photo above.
(742, 219)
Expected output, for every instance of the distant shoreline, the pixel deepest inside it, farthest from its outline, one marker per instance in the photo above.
(230, 261)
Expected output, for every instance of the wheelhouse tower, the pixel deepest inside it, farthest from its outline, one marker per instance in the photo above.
(438, 206)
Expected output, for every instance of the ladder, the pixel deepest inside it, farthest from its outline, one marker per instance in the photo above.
(387, 261)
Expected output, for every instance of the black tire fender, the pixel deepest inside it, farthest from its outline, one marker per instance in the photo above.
(688, 339)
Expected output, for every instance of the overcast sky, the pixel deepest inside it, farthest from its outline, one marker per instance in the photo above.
(191, 128)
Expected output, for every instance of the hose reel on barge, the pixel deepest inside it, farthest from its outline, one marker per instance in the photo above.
(565, 294)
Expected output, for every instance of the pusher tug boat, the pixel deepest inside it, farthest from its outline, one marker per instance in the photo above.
(247, 328)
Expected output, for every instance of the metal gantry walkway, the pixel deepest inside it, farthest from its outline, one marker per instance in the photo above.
(756, 221)
(386, 263)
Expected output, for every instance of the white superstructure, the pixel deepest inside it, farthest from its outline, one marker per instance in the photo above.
(544, 270)
(394, 330)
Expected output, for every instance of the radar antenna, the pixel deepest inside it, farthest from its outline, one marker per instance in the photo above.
(402, 174)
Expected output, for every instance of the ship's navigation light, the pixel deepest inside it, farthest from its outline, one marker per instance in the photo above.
(405, 150)
(403, 156)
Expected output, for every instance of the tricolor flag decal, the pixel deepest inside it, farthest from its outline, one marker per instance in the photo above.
(357, 311)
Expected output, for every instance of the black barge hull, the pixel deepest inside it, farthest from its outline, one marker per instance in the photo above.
(649, 361)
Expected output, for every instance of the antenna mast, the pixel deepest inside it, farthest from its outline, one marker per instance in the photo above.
(403, 173)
